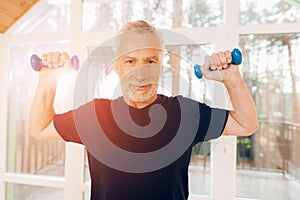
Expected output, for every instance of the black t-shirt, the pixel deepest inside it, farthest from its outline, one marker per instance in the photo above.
(166, 118)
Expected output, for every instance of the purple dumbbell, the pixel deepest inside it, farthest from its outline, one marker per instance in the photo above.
(37, 63)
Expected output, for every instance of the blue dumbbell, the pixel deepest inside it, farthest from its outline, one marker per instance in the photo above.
(37, 63)
(236, 60)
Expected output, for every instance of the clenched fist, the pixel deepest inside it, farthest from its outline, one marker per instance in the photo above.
(217, 67)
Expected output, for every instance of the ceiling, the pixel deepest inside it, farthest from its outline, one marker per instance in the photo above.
(12, 10)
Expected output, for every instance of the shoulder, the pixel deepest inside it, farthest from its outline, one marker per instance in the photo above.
(95, 104)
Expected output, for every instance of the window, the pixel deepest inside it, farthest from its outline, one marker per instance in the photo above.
(46, 17)
(24, 153)
(271, 72)
(163, 14)
(266, 12)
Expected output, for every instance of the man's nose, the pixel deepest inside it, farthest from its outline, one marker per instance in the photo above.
(140, 74)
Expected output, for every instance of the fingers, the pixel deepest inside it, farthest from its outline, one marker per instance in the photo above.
(218, 61)
(56, 59)
(207, 71)
(49, 60)
(228, 56)
(44, 58)
(210, 63)
(65, 59)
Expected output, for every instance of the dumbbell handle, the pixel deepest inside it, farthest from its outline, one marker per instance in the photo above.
(37, 63)
(236, 56)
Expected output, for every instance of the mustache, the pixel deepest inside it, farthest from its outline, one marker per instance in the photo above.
(140, 82)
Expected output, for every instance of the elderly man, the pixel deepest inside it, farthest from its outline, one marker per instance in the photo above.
(139, 67)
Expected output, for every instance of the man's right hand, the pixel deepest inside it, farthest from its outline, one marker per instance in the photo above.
(57, 63)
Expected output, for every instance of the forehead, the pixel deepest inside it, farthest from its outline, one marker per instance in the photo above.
(136, 41)
(143, 53)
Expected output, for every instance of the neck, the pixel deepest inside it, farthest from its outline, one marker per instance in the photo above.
(140, 105)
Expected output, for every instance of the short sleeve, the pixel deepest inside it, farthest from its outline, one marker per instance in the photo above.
(65, 126)
(211, 124)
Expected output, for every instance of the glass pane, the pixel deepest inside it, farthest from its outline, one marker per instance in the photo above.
(200, 169)
(21, 192)
(271, 11)
(99, 15)
(51, 17)
(268, 161)
(25, 154)
(201, 13)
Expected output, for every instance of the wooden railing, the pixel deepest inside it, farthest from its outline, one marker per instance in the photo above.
(275, 147)
(27, 155)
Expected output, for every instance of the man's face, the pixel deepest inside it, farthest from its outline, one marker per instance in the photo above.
(139, 66)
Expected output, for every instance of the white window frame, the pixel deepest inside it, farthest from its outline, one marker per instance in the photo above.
(223, 173)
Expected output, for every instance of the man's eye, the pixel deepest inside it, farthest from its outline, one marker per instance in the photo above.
(129, 62)
(152, 62)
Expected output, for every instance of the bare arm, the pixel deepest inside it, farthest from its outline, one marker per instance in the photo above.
(242, 121)
(42, 109)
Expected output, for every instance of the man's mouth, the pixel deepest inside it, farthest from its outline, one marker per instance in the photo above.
(140, 88)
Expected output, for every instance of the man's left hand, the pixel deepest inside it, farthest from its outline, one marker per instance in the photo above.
(217, 67)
